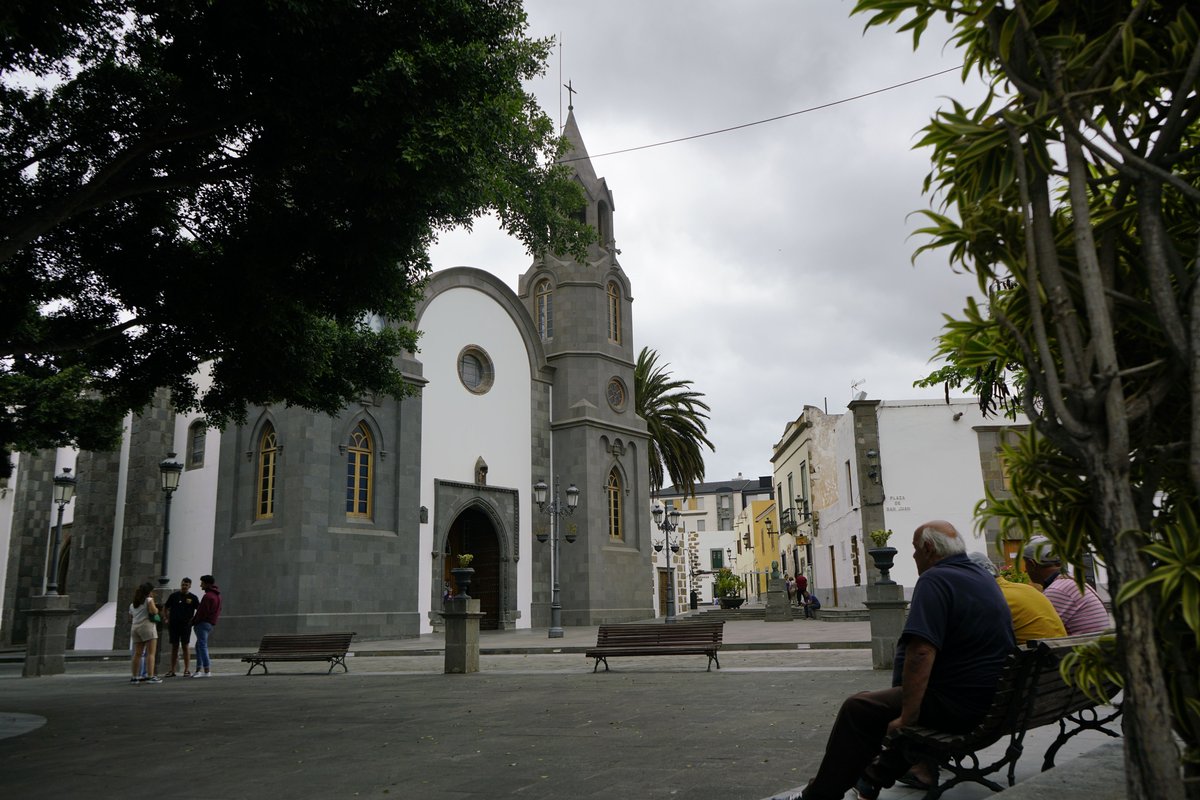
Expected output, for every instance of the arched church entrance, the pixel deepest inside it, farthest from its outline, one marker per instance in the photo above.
(473, 532)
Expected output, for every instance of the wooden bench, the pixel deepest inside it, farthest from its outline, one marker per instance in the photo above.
(331, 647)
(658, 639)
(1031, 694)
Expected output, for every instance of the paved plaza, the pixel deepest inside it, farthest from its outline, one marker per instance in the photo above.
(534, 722)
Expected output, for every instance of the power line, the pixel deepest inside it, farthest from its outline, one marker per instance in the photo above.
(769, 119)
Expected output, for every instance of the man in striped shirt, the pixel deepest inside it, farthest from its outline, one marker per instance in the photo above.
(1082, 611)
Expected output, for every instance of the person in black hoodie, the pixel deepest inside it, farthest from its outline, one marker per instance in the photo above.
(203, 623)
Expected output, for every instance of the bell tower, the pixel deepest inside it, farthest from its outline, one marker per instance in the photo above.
(583, 315)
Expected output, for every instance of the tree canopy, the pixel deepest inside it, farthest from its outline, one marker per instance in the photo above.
(1072, 192)
(247, 183)
(675, 415)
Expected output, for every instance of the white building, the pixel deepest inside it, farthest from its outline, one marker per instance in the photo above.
(710, 541)
(885, 465)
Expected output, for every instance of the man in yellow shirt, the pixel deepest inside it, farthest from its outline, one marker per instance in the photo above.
(1032, 614)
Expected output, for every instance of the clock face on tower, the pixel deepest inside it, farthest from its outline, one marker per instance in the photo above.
(616, 394)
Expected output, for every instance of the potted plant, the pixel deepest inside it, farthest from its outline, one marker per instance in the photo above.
(729, 589)
(883, 555)
(463, 574)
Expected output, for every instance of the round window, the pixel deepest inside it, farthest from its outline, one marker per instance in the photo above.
(616, 394)
(475, 369)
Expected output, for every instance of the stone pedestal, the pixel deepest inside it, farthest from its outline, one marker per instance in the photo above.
(462, 617)
(46, 651)
(778, 608)
(888, 610)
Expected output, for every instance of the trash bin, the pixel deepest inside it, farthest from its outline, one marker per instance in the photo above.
(695, 600)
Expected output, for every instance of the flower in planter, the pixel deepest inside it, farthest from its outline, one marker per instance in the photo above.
(465, 559)
(728, 584)
(880, 536)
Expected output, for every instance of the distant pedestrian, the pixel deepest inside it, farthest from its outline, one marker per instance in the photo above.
(181, 606)
(144, 633)
(812, 604)
(801, 588)
(204, 621)
(791, 588)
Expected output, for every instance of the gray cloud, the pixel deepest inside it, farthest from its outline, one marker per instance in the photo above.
(770, 265)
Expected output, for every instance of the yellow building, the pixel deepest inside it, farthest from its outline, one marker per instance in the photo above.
(764, 543)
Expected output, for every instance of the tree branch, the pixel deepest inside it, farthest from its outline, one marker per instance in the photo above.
(83, 344)
(1051, 386)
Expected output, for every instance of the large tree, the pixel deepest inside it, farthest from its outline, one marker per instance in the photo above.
(1073, 194)
(246, 183)
(675, 415)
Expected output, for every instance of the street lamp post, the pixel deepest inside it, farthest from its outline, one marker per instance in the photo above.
(556, 510)
(169, 469)
(64, 490)
(667, 523)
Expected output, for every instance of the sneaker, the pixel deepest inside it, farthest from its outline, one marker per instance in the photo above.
(200, 674)
(154, 679)
(134, 681)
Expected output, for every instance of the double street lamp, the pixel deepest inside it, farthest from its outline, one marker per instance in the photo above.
(64, 490)
(556, 510)
(169, 470)
(667, 523)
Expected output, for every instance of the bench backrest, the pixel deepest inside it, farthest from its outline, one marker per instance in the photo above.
(305, 642)
(1008, 703)
(1052, 697)
(694, 633)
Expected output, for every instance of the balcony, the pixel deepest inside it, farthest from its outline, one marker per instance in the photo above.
(788, 520)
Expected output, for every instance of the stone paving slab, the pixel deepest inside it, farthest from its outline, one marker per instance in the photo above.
(536, 726)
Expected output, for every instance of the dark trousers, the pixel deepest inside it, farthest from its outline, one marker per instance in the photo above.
(856, 742)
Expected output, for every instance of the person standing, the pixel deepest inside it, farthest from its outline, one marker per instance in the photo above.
(801, 588)
(205, 620)
(181, 606)
(144, 633)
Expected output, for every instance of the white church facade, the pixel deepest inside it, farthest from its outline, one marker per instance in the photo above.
(315, 523)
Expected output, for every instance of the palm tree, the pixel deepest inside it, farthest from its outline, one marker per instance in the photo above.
(675, 415)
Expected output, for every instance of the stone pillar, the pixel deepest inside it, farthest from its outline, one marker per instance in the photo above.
(778, 608)
(45, 652)
(888, 610)
(462, 635)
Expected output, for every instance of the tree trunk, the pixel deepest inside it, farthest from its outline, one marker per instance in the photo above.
(1151, 753)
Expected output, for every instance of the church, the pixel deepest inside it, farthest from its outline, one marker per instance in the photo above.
(312, 523)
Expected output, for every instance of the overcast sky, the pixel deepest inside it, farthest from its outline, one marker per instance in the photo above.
(770, 265)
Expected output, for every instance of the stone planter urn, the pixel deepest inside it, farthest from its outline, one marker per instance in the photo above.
(884, 558)
(731, 602)
(462, 579)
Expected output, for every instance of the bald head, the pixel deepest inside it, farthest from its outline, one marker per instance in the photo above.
(933, 541)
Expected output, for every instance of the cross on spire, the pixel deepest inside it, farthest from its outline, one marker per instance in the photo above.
(570, 96)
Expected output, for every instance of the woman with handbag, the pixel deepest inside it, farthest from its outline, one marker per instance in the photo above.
(144, 630)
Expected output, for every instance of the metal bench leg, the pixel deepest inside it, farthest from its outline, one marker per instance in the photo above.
(254, 664)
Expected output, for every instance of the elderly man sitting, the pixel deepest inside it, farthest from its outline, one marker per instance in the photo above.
(955, 640)
(1033, 616)
(1081, 610)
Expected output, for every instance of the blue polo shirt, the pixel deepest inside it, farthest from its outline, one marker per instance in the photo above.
(958, 608)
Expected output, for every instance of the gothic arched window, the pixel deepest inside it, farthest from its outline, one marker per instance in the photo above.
(358, 472)
(603, 224)
(197, 433)
(268, 455)
(616, 531)
(614, 312)
(545, 309)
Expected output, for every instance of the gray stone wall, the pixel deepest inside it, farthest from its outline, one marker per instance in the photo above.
(34, 510)
(151, 438)
(92, 534)
(310, 567)
(871, 491)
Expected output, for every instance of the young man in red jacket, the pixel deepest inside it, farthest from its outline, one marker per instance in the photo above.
(203, 623)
